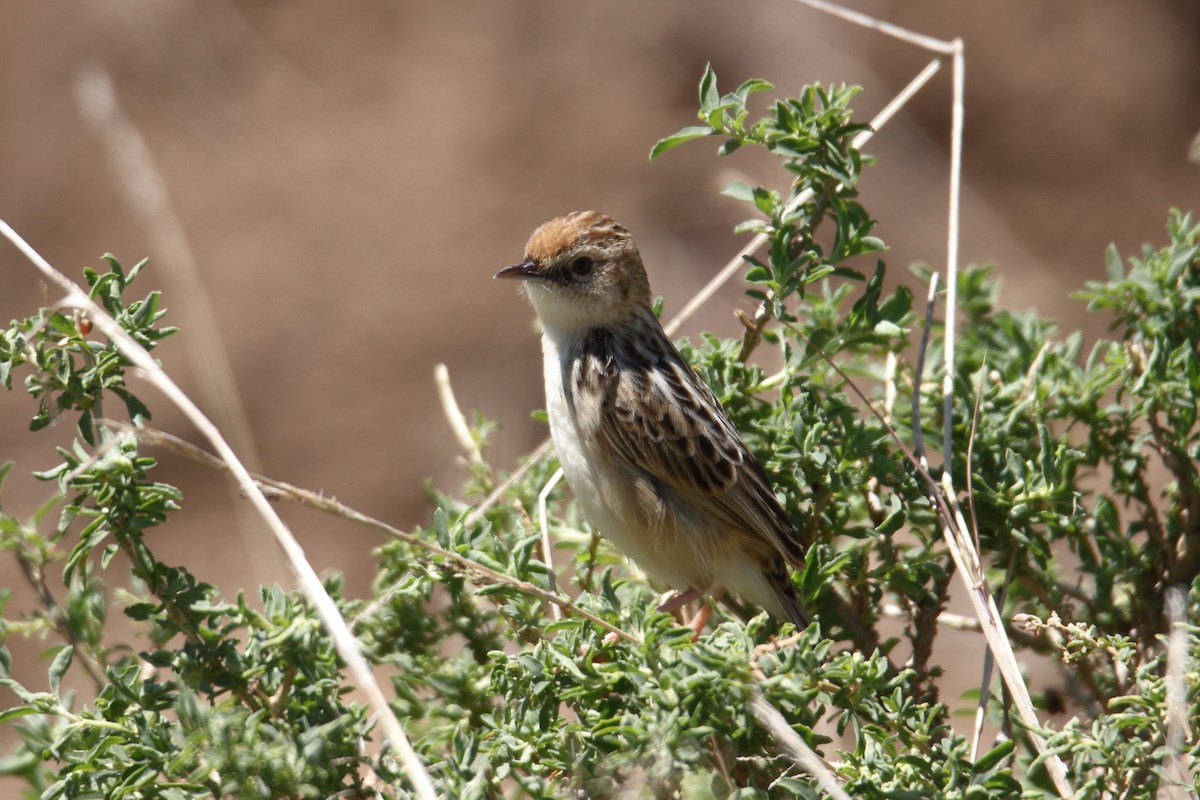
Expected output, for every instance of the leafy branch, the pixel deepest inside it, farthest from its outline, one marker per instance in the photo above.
(1083, 501)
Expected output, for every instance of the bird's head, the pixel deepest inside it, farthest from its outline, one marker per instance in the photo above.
(580, 271)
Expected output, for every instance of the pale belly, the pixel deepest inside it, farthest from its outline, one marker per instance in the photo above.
(668, 535)
(610, 500)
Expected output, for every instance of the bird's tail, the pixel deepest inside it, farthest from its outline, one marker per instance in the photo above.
(781, 583)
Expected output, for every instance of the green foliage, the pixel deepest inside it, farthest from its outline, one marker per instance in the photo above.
(813, 136)
(1084, 488)
(225, 699)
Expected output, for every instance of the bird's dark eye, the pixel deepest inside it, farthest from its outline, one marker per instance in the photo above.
(581, 266)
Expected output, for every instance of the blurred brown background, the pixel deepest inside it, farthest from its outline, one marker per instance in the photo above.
(348, 177)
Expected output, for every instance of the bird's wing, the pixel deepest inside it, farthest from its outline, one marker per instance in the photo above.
(659, 417)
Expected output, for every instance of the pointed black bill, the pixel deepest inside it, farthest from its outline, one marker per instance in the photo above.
(525, 269)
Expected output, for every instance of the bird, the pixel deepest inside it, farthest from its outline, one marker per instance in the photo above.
(649, 453)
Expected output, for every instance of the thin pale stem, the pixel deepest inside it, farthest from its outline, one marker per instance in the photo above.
(1180, 770)
(967, 565)
(770, 718)
(547, 542)
(140, 183)
(958, 622)
(489, 502)
(737, 263)
(985, 681)
(919, 374)
(888, 29)
(956, 136)
(59, 619)
(454, 415)
(331, 506)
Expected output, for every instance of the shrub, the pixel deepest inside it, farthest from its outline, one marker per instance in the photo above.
(1084, 504)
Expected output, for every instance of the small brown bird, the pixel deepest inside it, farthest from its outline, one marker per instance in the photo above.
(646, 447)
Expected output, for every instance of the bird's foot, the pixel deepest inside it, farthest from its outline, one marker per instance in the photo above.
(679, 599)
(700, 619)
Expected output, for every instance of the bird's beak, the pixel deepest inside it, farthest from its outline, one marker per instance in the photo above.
(526, 269)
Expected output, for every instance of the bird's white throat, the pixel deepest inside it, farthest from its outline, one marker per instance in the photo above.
(569, 313)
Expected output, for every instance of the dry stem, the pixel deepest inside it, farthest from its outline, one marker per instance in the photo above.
(332, 506)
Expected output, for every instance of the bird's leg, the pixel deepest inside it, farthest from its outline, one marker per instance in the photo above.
(704, 612)
(680, 599)
(700, 620)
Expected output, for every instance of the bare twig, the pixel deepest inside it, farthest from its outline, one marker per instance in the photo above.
(1031, 374)
(535, 458)
(953, 524)
(958, 622)
(59, 619)
(874, 503)
(967, 564)
(956, 135)
(310, 584)
(886, 28)
(1178, 769)
(547, 543)
(770, 718)
(985, 683)
(889, 384)
(454, 415)
(989, 662)
(971, 458)
(146, 194)
(919, 374)
(142, 187)
(737, 263)
(330, 505)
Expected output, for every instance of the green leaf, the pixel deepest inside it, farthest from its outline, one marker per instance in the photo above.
(59, 667)
(114, 265)
(986, 762)
(739, 191)
(888, 329)
(86, 428)
(142, 611)
(758, 275)
(892, 522)
(62, 323)
(568, 664)
(46, 507)
(710, 98)
(816, 273)
(133, 272)
(750, 87)
(136, 408)
(92, 535)
(17, 711)
(871, 244)
(729, 147)
(5, 468)
(1112, 262)
(765, 200)
(53, 472)
(678, 138)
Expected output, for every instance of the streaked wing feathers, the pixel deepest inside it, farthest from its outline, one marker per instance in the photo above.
(661, 418)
